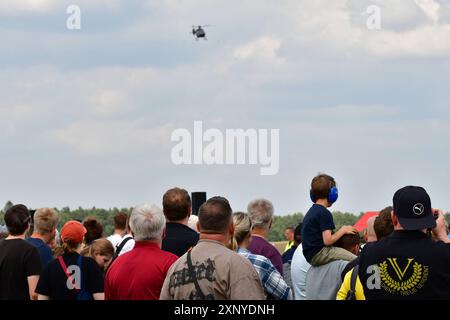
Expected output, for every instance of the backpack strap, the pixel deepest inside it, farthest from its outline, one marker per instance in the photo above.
(69, 276)
(351, 295)
(121, 245)
(80, 263)
(194, 277)
(119, 248)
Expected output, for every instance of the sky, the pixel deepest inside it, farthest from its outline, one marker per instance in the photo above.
(87, 115)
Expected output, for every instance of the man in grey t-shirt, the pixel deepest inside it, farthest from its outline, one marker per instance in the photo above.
(323, 282)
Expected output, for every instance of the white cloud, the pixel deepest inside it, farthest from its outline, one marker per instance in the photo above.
(427, 41)
(109, 102)
(431, 9)
(93, 138)
(9, 6)
(264, 48)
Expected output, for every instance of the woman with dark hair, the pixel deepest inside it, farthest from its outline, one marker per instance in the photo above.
(94, 230)
(71, 276)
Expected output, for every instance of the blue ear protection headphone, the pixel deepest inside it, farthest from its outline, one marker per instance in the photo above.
(333, 195)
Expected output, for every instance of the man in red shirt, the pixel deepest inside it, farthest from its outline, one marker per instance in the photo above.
(140, 273)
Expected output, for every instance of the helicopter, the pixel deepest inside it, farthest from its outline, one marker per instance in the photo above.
(199, 32)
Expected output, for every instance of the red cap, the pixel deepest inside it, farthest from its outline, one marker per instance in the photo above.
(73, 230)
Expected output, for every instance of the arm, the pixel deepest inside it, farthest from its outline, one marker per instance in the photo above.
(99, 296)
(274, 284)
(32, 283)
(42, 297)
(329, 239)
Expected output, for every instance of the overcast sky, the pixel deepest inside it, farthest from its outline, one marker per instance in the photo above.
(87, 114)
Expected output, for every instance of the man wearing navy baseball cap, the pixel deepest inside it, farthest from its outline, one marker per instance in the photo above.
(409, 264)
(412, 207)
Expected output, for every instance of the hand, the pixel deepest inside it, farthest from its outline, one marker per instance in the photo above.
(440, 231)
(349, 230)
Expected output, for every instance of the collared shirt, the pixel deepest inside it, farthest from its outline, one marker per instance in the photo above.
(272, 281)
(138, 274)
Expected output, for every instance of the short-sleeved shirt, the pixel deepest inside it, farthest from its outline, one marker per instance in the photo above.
(179, 238)
(324, 282)
(115, 240)
(222, 274)
(18, 261)
(53, 280)
(44, 250)
(262, 247)
(317, 220)
(299, 269)
(406, 265)
(138, 274)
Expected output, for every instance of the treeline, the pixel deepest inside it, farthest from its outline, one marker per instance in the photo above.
(106, 216)
(280, 223)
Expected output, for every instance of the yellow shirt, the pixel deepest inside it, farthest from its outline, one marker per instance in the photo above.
(345, 288)
(289, 245)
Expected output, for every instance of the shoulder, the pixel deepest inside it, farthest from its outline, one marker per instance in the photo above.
(168, 256)
(88, 261)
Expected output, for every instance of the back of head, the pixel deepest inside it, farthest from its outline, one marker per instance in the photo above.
(298, 233)
(383, 225)
(321, 185)
(94, 229)
(371, 235)
(214, 216)
(348, 241)
(147, 223)
(17, 219)
(242, 226)
(101, 247)
(260, 212)
(176, 204)
(72, 234)
(45, 220)
(120, 221)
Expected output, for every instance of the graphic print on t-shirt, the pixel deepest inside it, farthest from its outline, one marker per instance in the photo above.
(399, 276)
(202, 271)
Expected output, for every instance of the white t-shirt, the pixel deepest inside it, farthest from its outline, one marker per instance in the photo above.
(128, 246)
(299, 269)
(115, 239)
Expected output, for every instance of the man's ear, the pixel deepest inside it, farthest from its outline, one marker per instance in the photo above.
(394, 218)
(198, 226)
(232, 228)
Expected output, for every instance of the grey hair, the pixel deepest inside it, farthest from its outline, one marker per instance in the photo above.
(147, 222)
(260, 212)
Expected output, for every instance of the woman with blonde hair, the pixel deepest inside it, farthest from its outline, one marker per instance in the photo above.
(71, 276)
(272, 281)
(101, 250)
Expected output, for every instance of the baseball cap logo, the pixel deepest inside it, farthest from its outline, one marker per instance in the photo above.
(418, 209)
